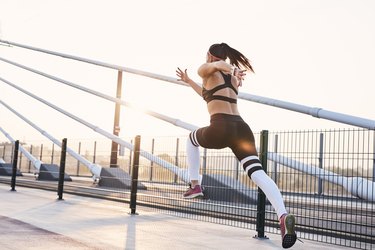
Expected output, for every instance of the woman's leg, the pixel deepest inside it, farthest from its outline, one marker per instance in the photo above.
(193, 158)
(243, 146)
(253, 169)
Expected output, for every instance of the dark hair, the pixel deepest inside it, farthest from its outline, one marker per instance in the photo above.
(236, 58)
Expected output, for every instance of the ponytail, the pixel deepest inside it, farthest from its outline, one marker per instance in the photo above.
(236, 58)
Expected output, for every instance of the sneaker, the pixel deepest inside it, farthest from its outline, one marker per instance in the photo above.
(288, 235)
(193, 192)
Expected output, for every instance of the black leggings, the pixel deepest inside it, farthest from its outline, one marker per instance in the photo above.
(231, 131)
(227, 131)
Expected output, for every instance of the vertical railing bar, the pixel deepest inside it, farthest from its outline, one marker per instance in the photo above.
(52, 153)
(204, 163)
(320, 180)
(261, 204)
(20, 161)
(41, 152)
(116, 122)
(275, 149)
(60, 189)
(31, 152)
(4, 148)
(176, 158)
(94, 154)
(14, 166)
(130, 157)
(134, 183)
(152, 163)
(78, 162)
(373, 157)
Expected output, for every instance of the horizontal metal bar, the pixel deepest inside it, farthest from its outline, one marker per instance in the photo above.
(313, 111)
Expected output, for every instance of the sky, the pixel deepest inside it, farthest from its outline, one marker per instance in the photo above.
(318, 53)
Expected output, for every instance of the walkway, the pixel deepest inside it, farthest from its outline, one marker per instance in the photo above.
(35, 219)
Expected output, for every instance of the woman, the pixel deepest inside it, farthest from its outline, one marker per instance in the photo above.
(227, 129)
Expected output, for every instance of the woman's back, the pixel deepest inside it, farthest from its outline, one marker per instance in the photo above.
(220, 92)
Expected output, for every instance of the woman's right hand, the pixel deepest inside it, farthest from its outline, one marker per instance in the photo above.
(183, 76)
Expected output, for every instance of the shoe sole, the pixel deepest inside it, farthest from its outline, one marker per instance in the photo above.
(193, 196)
(290, 236)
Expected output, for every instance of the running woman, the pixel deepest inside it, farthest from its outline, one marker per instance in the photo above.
(227, 129)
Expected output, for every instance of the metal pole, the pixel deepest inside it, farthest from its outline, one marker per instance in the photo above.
(130, 157)
(20, 161)
(373, 160)
(204, 164)
(41, 152)
(116, 124)
(52, 153)
(14, 169)
(152, 163)
(320, 180)
(134, 186)
(176, 159)
(274, 173)
(31, 152)
(261, 204)
(60, 189)
(94, 156)
(79, 152)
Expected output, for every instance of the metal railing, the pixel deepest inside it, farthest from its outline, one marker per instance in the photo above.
(357, 186)
(313, 111)
(325, 212)
(308, 195)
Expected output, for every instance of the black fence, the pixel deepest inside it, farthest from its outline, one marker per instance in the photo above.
(318, 173)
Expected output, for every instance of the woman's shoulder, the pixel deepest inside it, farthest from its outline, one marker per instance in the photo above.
(207, 69)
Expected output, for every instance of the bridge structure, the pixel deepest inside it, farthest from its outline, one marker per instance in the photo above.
(359, 187)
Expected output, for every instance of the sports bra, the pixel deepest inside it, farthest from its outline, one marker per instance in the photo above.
(208, 95)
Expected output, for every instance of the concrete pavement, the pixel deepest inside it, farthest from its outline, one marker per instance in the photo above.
(35, 219)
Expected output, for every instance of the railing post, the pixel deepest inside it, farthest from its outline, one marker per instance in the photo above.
(204, 164)
(373, 158)
(320, 181)
(60, 189)
(176, 158)
(152, 163)
(53, 152)
(14, 168)
(78, 162)
(4, 152)
(41, 152)
(275, 149)
(31, 152)
(261, 204)
(134, 185)
(20, 161)
(116, 123)
(94, 156)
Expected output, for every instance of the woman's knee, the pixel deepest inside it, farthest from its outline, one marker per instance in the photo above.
(193, 139)
(251, 164)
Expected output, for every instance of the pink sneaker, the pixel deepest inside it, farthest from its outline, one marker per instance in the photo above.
(288, 235)
(193, 192)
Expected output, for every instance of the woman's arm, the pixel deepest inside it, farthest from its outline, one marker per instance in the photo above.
(185, 78)
(208, 69)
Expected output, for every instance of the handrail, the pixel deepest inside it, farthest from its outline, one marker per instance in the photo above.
(173, 121)
(95, 169)
(356, 186)
(182, 173)
(313, 111)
